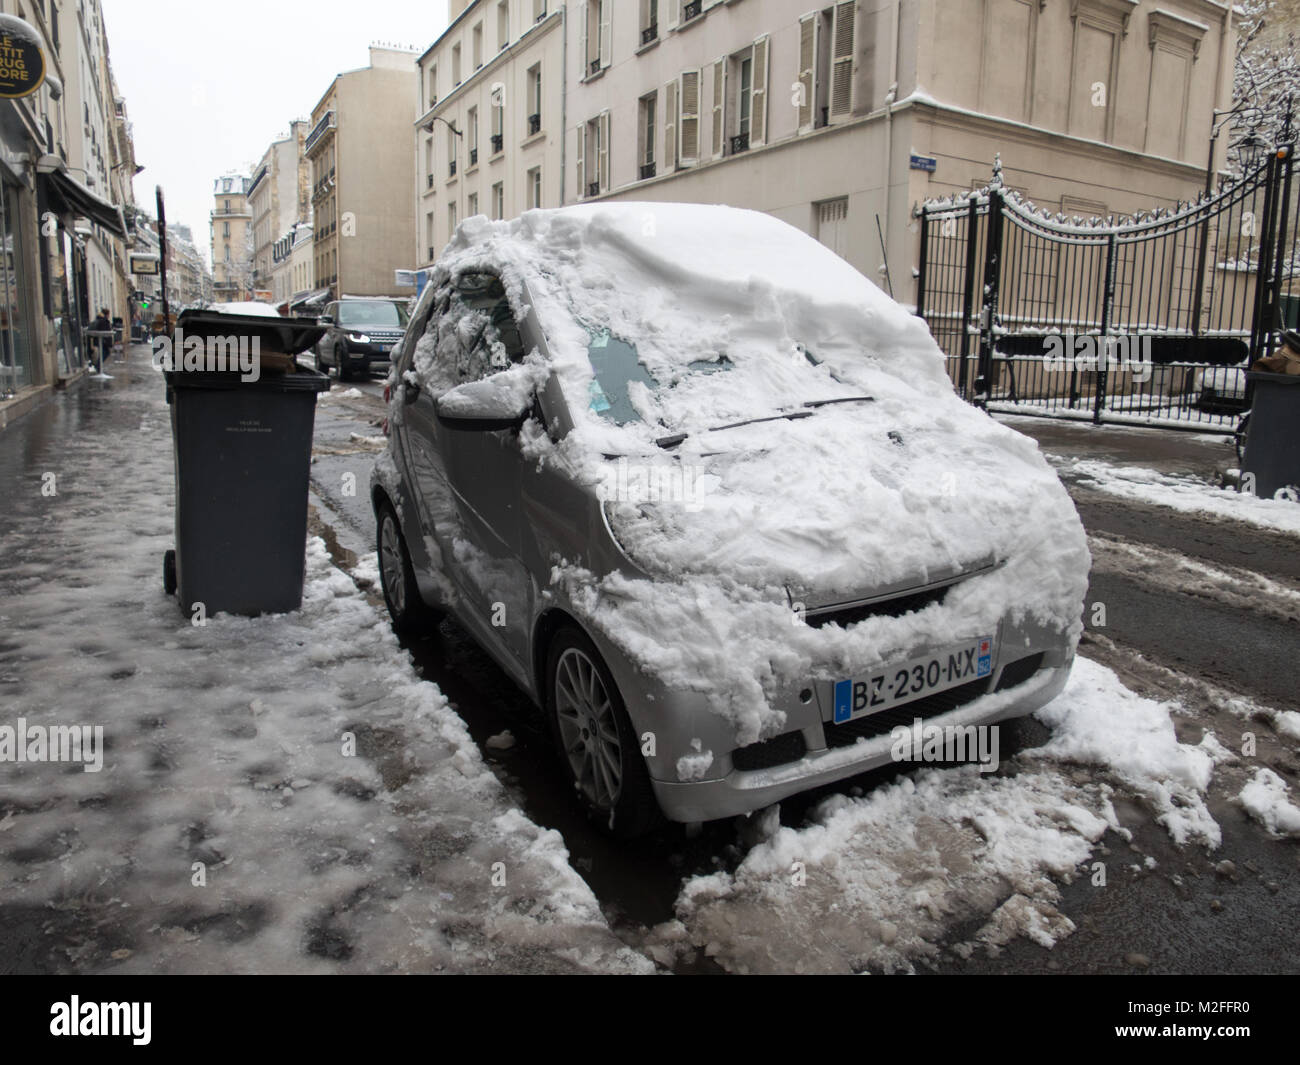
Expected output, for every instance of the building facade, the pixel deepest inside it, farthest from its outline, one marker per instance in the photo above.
(278, 199)
(64, 177)
(838, 118)
(841, 119)
(232, 240)
(489, 138)
(362, 174)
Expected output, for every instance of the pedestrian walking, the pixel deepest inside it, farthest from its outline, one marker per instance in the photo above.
(103, 324)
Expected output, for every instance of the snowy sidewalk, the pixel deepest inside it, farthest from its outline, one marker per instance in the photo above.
(277, 794)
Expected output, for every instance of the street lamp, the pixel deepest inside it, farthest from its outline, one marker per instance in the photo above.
(1251, 150)
(438, 118)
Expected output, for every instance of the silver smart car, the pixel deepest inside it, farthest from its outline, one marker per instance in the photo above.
(863, 551)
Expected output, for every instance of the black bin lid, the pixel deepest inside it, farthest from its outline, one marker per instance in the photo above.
(288, 336)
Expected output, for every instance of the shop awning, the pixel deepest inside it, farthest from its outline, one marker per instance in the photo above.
(79, 200)
(321, 295)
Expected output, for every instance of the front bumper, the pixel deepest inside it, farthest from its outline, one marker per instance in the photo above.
(373, 355)
(743, 791)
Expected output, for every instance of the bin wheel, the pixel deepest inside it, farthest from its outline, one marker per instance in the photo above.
(169, 572)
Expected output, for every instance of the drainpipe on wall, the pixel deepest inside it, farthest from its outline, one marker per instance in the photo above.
(1225, 82)
(564, 97)
(890, 97)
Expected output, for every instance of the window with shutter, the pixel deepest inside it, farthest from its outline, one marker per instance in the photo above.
(580, 161)
(602, 149)
(584, 20)
(719, 97)
(758, 117)
(688, 119)
(606, 11)
(842, 62)
(807, 58)
(670, 126)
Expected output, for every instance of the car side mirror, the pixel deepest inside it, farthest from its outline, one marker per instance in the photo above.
(501, 401)
(326, 319)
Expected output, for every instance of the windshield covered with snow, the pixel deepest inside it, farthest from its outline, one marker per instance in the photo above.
(621, 383)
(373, 314)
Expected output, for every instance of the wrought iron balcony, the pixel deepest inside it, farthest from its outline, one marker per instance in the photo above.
(647, 171)
(534, 124)
(692, 10)
(740, 143)
(430, 181)
(593, 188)
(451, 168)
(593, 67)
(498, 141)
(432, 256)
(650, 33)
(318, 131)
(473, 157)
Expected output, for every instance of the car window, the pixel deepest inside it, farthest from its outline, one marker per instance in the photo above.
(375, 314)
(478, 334)
(616, 368)
(423, 309)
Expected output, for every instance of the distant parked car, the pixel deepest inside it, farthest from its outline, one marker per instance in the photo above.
(359, 335)
(707, 495)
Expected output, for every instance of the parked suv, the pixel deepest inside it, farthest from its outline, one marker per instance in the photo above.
(359, 335)
(707, 496)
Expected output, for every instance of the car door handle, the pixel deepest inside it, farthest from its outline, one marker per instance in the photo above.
(410, 391)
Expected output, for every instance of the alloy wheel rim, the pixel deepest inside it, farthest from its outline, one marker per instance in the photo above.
(390, 559)
(588, 730)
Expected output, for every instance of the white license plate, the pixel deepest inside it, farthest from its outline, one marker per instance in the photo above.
(901, 683)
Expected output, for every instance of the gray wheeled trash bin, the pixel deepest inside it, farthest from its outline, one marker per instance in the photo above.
(243, 457)
(1273, 438)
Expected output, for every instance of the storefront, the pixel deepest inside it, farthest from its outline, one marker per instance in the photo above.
(17, 344)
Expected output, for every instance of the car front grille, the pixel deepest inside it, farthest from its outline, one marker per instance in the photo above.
(890, 608)
(885, 721)
(788, 747)
(1019, 671)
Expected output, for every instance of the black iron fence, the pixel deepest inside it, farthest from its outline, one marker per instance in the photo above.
(1150, 319)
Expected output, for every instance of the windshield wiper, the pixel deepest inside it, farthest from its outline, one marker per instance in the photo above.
(815, 403)
(788, 416)
(809, 408)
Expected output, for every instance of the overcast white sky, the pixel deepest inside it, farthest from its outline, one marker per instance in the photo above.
(208, 85)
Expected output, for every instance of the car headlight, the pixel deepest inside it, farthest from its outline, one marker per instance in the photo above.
(360, 338)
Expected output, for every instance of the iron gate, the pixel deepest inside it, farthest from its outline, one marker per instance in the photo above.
(1150, 320)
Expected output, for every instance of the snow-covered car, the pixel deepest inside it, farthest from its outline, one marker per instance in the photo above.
(707, 495)
(1220, 388)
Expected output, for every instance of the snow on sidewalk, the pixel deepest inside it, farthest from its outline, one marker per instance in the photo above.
(878, 882)
(1188, 495)
(232, 828)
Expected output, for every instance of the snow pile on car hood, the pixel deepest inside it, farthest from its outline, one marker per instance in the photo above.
(895, 482)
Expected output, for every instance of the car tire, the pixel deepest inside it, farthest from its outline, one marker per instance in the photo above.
(410, 614)
(341, 359)
(624, 807)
